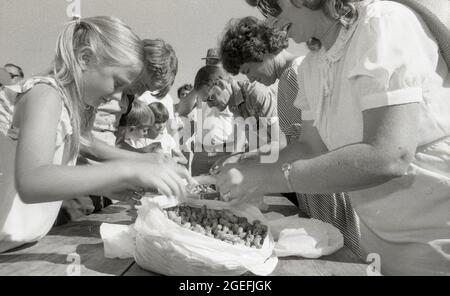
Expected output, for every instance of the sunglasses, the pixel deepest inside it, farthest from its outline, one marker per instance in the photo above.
(268, 8)
(13, 75)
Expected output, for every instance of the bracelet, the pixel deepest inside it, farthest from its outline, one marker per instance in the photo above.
(286, 168)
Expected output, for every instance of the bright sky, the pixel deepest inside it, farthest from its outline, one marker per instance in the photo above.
(28, 29)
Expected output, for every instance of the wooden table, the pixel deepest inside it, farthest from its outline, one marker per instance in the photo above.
(77, 249)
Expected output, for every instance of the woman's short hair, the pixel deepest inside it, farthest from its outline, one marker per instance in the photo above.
(209, 74)
(159, 111)
(343, 11)
(187, 87)
(161, 65)
(140, 115)
(246, 40)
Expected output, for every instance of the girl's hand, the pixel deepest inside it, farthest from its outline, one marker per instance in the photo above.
(129, 196)
(170, 180)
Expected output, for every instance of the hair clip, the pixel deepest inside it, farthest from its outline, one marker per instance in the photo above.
(76, 18)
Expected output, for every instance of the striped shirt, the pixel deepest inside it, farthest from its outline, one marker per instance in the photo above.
(290, 117)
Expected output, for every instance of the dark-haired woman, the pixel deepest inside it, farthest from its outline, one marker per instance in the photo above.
(259, 50)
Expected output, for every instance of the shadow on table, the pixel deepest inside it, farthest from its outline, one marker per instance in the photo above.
(19, 248)
(343, 255)
(83, 228)
(93, 258)
(49, 257)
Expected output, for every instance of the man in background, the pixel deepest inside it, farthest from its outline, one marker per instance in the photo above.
(212, 57)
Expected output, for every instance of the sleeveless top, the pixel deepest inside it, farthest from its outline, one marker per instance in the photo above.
(22, 223)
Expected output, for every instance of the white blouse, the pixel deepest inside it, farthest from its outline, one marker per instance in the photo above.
(389, 57)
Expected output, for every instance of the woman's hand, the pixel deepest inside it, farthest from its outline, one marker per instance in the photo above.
(243, 181)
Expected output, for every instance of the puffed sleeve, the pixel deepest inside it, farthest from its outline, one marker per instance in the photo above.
(393, 55)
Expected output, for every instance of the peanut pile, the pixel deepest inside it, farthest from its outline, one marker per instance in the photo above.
(220, 224)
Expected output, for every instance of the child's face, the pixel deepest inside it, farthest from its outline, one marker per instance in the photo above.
(104, 83)
(138, 132)
(156, 129)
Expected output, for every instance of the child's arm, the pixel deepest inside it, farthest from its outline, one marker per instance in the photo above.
(187, 104)
(39, 180)
(178, 156)
(101, 151)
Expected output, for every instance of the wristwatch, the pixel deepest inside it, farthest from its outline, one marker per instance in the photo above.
(286, 168)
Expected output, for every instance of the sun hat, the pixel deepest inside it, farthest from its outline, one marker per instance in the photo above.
(212, 53)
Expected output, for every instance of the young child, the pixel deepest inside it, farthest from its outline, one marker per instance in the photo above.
(137, 123)
(96, 58)
(158, 133)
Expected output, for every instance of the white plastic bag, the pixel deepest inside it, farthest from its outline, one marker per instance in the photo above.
(164, 247)
(118, 240)
(309, 238)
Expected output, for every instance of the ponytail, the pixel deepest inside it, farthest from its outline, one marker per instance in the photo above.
(113, 43)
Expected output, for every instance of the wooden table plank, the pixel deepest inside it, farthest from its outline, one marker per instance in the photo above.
(79, 241)
(342, 263)
(135, 270)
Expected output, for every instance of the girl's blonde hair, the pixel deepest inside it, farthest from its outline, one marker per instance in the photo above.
(112, 42)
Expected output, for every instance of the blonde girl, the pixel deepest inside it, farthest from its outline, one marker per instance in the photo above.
(96, 58)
